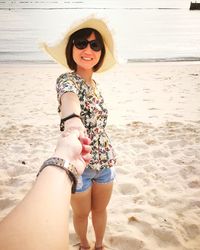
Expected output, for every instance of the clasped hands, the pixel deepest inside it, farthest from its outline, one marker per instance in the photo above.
(73, 145)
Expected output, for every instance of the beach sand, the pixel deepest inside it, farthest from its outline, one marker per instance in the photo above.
(154, 125)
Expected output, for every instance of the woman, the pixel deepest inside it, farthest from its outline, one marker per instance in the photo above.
(87, 48)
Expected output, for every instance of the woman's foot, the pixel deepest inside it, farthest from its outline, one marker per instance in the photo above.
(99, 248)
(84, 247)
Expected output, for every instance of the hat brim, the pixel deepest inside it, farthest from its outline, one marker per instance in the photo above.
(57, 52)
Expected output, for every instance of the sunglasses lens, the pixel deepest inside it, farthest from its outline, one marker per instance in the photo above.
(81, 44)
(95, 45)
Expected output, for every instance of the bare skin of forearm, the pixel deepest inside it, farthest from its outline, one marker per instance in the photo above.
(70, 104)
(41, 222)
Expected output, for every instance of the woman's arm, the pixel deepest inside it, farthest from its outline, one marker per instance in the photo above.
(70, 104)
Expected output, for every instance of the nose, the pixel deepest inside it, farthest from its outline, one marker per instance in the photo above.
(88, 48)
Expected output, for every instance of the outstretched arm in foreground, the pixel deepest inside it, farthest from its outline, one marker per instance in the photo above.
(40, 221)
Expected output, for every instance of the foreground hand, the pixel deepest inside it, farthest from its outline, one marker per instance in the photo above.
(74, 147)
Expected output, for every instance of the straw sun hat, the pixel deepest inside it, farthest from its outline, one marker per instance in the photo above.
(58, 51)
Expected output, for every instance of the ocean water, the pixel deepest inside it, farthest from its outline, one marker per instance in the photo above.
(148, 30)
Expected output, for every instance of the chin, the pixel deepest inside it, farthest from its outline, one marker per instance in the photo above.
(87, 67)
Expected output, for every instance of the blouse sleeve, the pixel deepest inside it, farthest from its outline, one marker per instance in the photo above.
(63, 85)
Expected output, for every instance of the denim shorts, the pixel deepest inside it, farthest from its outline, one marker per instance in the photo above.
(89, 176)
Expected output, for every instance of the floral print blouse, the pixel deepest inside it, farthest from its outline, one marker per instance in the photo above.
(93, 115)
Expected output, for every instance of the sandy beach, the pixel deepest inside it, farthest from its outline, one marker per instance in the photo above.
(154, 125)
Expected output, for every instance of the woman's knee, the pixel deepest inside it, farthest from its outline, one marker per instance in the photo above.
(98, 210)
(81, 214)
(81, 204)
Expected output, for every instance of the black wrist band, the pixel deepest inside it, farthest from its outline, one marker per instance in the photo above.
(62, 126)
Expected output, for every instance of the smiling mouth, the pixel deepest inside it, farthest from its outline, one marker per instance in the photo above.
(86, 58)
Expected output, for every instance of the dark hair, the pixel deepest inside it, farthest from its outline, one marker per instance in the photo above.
(83, 34)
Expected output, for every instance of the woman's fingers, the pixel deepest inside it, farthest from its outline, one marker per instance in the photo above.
(84, 139)
(86, 149)
(74, 135)
(86, 158)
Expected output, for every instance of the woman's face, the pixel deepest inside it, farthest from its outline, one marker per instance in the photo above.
(86, 58)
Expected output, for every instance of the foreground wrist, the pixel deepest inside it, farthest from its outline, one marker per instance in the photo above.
(62, 155)
(66, 166)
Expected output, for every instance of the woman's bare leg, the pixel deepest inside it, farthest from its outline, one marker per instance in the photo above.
(81, 205)
(101, 194)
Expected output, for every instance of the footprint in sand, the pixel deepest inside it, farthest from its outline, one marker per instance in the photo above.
(192, 230)
(165, 237)
(142, 226)
(19, 169)
(124, 242)
(122, 170)
(128, 188)
(159, 154)
(187, 171)
(194, 184)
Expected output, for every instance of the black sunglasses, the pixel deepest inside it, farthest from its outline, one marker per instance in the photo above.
(83, 43)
